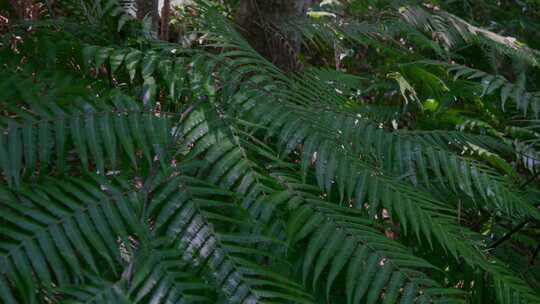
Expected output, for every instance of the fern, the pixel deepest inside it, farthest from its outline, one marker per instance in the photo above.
(526, 102)
(60, 219)
(453, 31)
(134, 170)
(360, 249)
(103, 136)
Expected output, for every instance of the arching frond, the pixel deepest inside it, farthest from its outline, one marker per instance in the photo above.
(53, 230)
(526, 102)
(134, 170)
(452, 31)
(318, 147)
(371, 261)
(185, 222)
(99, 137)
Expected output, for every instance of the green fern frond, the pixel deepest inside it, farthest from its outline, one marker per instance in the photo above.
(97, 290)
(99, 138)
(138, 170)
(368, 261)
(94, 12)
(526, 102)
(183, 220)
(54, 229)
(160, 274)
(453, 31)
(326, 167)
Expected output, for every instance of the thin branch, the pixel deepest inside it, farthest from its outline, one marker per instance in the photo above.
(509, 234)
(520, 225)
(530, 180)
(535, 254)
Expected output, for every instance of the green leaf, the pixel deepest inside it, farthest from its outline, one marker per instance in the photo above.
(102, 54)
(505, 93)
(94, 142)
(78, 136)
(132, 61)
(338, 262)
(378, 283)
(370, 270)
(327, 253)
(149, 92)
(392, 290)
(15, 152)
(44, 145)
(315, 245)
(116, 59)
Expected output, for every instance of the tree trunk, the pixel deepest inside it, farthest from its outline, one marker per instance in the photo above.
(264, 24)
(25, 9)
(165, 16)
(150, 8)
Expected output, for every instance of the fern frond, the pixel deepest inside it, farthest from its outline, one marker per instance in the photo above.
(227, 163)
(94, 12)
(318, 148)
(183, 221)
(134, 170)
(98, 137)
(402, 155)
(368, 261)
(452, 31)
(153, 274)
(97, 290)
(526, 102)
(160, 274)
(54, 229)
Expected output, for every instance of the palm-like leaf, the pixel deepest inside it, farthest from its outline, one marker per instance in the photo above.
(173, 175)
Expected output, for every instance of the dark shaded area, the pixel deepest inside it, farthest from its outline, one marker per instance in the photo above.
(262, 22)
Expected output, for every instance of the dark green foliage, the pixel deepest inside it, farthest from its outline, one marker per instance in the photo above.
(134, 170)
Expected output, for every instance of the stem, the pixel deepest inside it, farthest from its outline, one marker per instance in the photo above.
(530, 180)
(521, 225)
(509, 234)
(165, 18)
(535, 254)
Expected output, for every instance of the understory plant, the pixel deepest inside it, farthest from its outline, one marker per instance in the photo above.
(394, 159)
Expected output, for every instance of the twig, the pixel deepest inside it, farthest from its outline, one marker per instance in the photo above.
(530, 180)
(520, 225)
(509, 234)
(535, 254)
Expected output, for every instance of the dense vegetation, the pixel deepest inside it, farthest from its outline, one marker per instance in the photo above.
(354, 151)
